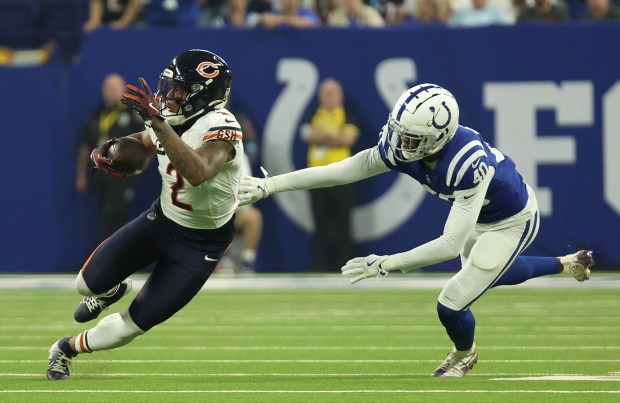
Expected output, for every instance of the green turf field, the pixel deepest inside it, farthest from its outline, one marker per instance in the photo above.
(348, 344)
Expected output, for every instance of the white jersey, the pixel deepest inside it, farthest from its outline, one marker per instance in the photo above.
(212, 203)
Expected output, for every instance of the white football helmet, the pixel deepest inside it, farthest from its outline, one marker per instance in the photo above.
(423, 120)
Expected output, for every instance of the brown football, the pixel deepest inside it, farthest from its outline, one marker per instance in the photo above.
(128, 155)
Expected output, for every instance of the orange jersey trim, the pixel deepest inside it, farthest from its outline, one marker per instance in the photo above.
(224, 134)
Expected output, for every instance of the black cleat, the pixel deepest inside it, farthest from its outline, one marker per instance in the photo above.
(91, 307)
(60, 362)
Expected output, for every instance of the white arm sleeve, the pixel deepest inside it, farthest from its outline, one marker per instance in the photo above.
(459, 224)
(360, 166)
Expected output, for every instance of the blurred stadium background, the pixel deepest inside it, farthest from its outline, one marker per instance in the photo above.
(546, 95)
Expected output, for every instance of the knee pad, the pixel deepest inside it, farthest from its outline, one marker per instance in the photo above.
(113, 331)
(450, 300)
(82, 287)
(491, 251)
(456, 293)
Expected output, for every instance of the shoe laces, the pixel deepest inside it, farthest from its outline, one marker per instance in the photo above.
(449, 362)
(458, 358)
(94, 303)
(60, 363)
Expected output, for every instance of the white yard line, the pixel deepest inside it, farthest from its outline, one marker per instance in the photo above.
(171, 329)
(293, 392)
(513, 376)
(326, 361)
(615, 378)
(330, 348)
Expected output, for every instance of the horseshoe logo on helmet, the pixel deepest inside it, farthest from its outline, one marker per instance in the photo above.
(438, 126)
(204, 66)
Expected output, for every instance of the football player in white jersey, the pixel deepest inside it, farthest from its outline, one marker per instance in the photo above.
(198, 144)
(494, 214)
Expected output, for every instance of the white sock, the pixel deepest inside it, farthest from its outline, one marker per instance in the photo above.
(113, 331)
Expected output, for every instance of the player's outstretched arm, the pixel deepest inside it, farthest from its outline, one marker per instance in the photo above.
(362, 165)
(457, 228)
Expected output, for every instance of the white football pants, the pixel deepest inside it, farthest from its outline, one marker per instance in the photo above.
(488, 253)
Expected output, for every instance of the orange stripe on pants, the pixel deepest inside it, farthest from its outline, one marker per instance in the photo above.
(91, 255)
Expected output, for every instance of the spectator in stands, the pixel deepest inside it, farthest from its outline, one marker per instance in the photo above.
(544, 11)
(110, 119)
(354, 13)
(478, 15)
(176, 13)
(212, 12)
(323, 8)
(249, 222)
(241, 255)
(330, 135)
(600, 10)
(426, 13)
(234, 14)
(115, 14)
(250, 137)
(289, 14)
(259, 6)
(248, 219)
(390, 10)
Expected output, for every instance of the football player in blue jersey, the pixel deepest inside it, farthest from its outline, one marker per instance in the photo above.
(493, 219)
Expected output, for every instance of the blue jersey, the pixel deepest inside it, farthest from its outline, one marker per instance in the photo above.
(463, 163)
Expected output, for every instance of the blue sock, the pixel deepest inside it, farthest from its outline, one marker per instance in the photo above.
(460, 326)
(527, 267)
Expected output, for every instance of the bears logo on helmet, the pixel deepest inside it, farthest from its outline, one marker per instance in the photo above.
(204, 65)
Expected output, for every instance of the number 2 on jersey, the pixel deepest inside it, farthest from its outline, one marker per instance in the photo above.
(176, 187)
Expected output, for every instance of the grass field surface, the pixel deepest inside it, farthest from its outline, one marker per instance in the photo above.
(255, 340)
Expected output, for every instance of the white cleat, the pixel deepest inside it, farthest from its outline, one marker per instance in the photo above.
(578, 264)
(458, 363)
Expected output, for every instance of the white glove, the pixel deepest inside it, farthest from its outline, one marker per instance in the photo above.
(252, 189)
(364, 267)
